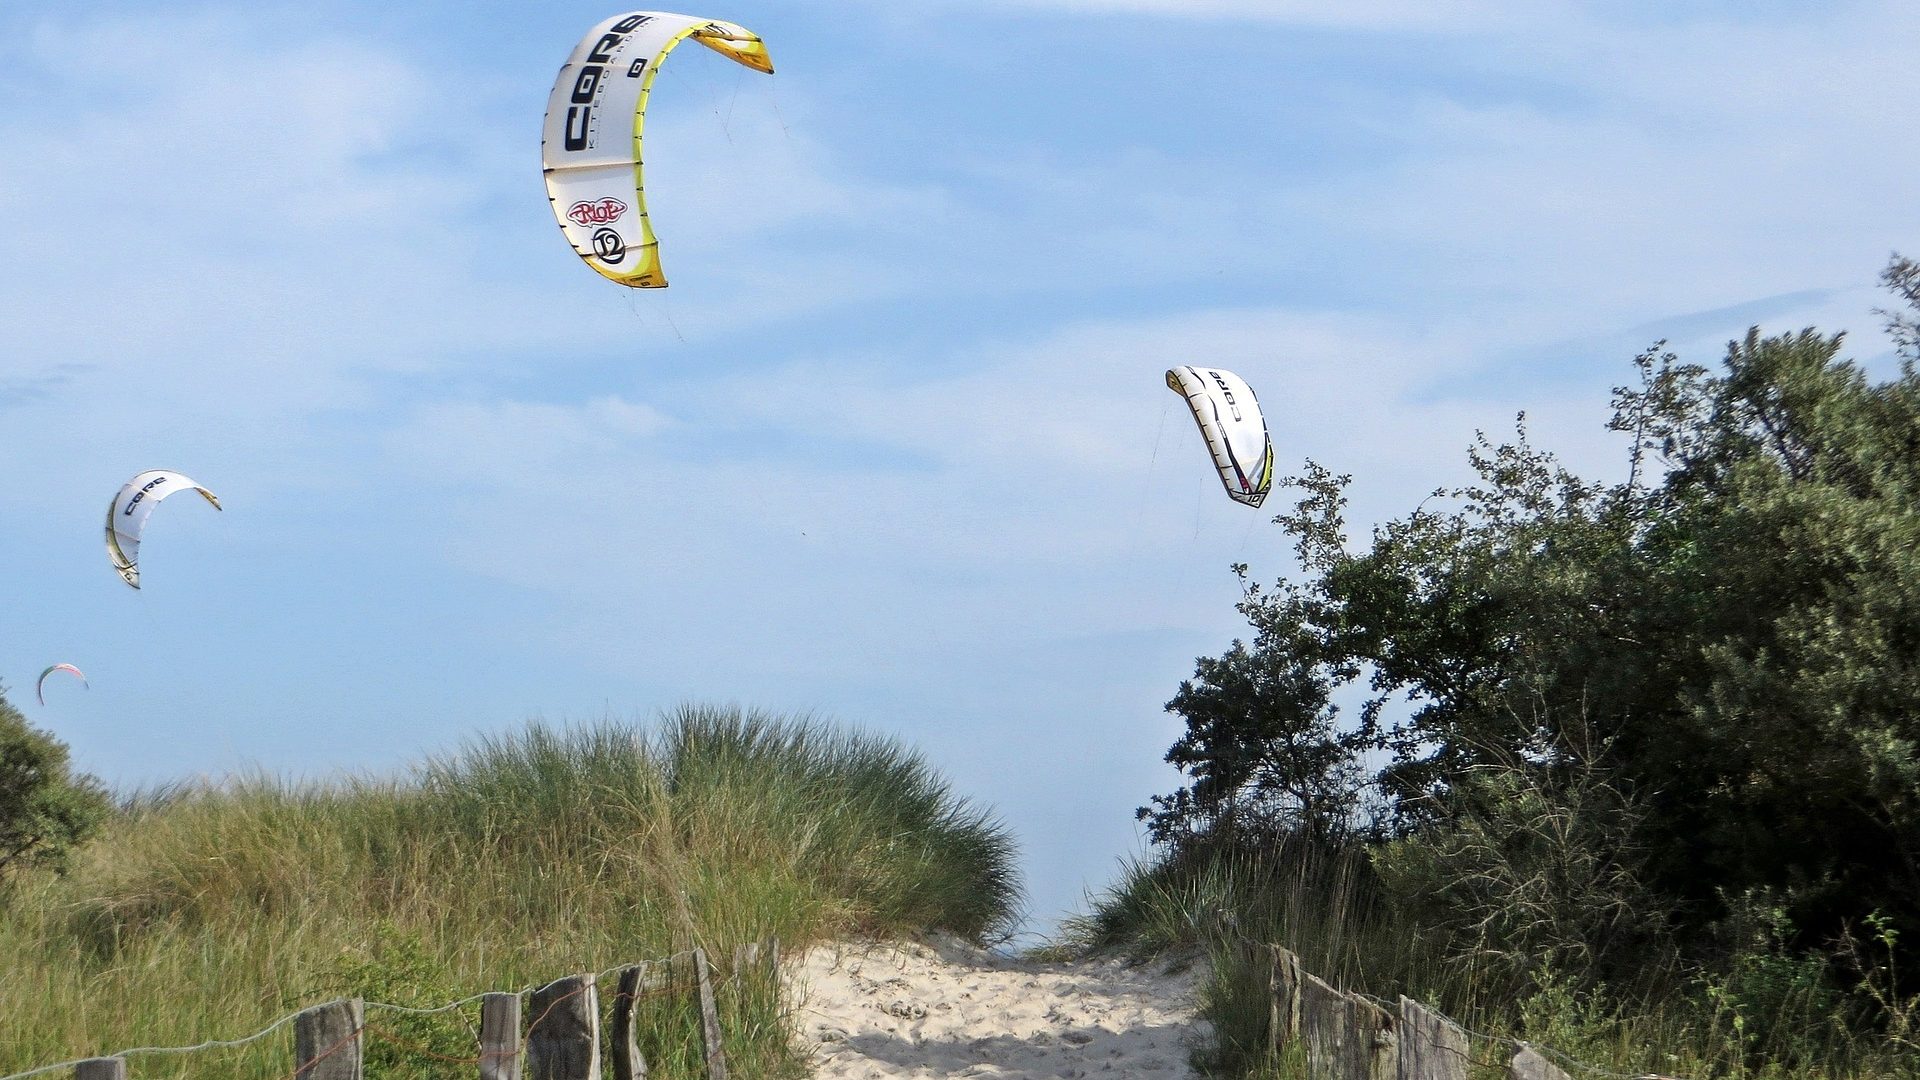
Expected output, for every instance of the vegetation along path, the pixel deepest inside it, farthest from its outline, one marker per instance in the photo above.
(945, 1009)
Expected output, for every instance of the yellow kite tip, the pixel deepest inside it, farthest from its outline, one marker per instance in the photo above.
(741, 47)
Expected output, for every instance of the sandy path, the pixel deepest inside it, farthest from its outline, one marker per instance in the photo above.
(947, 1009)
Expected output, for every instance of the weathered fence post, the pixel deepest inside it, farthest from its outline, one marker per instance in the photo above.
(758, 957)
(1283, 1021)
(710, 1019)
(744, 956)
(1432, 1047)
(500, 1037)
(1530, 1064)
(563, 1031)
(628, 1062)
(106, 1068)
(326, 1041)
(1347, 1039)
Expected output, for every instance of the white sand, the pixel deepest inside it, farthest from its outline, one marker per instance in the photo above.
(948, 1009)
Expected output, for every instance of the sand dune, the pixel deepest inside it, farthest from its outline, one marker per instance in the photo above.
(945, 1009)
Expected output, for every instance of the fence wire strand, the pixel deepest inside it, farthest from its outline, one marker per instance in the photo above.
(211, 1044)
(409, 1011)
(228, 1044)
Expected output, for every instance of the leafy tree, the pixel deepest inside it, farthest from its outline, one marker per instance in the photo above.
(1726, 645)
(46, 809)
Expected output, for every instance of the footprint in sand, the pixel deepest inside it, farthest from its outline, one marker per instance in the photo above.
(973, 1013)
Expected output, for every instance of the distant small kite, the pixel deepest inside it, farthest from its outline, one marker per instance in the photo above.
(590, 146)
(1229, 418)
(128, 512)
(40, 688)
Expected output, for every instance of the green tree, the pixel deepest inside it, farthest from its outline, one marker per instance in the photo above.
(1726, 645)
(46, 809)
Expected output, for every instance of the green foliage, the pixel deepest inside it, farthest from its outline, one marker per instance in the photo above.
(1873, 960)
(396, 967)
(1528, 867)
(1768, 1001)
(1585, 727)
(1262, 743)
(46, 809)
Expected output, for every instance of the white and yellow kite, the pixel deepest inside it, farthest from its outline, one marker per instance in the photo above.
(591, 144)
(1229, 418)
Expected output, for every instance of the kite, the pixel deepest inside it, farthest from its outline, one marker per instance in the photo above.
(128, 512)
(40, 688)
(590, 146)
(1229, 418)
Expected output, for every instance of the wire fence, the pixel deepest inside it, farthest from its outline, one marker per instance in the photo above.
(361, 1028)
(364, 1031)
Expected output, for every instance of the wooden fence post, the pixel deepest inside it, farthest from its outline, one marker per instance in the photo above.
(1283, 1021)
(628, 1062)
(1347, 1039)
(106, 1068)
(563, 1032)
(1530, 1064)
(1432, 1047)
(326, 1041)
(744, 957)
(710, 1019)
(500, 1037)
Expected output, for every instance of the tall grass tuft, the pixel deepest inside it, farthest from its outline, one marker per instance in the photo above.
(1769, 1014)
(207, 910)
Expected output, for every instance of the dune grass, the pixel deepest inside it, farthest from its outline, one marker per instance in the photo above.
(207, 911)
(1764, 1017)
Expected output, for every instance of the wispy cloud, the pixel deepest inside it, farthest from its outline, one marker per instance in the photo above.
(1438, 15)
(1040, 466)
(26, 389)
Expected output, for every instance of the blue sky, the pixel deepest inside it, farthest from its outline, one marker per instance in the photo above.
(894, 448)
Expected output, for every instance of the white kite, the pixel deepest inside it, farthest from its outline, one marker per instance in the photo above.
(127, 516)
(1229, 418)
(591, 143)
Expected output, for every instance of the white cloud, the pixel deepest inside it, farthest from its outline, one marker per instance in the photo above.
(329, 213)
(1024, 478)
(1432, 15)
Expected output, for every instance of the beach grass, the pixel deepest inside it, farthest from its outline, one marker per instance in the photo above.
(208, 910)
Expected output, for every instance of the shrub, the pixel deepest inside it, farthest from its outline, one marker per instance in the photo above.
(46, 809)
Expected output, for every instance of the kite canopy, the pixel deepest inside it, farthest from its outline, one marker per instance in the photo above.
(1229, 418)
(590, 151)
(128, 512)
(40, 688)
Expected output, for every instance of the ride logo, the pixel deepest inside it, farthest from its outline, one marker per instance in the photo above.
(596, 211)
(590, 82)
